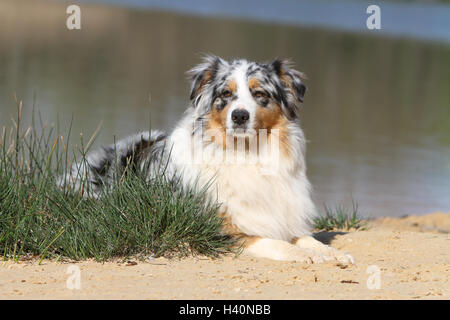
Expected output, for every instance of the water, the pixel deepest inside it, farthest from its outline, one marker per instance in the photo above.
(429, 20)
(376, 113)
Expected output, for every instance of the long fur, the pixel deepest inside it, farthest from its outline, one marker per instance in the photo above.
(275, 206)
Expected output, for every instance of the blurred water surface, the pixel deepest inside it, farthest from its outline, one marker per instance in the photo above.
(376, 113)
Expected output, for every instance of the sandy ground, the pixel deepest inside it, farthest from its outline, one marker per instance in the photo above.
(411, 256)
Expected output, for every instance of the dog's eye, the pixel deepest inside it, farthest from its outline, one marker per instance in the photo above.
(260, 94)
(226, 93)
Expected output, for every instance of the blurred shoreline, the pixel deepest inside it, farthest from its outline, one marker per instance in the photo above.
(415, 20)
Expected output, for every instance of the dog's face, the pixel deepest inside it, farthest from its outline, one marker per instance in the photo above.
(241, 97)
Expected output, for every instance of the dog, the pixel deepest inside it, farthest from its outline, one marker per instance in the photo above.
(264, 192)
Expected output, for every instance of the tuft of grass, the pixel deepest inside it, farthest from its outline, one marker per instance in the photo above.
(340, 219)
(138, 217)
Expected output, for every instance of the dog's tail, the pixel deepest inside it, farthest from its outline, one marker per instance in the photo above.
(99, 168)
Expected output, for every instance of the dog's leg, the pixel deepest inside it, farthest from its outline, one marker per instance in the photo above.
(327, 252)
(280, 250)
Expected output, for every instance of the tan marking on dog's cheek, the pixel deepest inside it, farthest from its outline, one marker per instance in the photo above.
(218, 122)
(218, 118)
(267, 118)
(270, 119)
(273, 118)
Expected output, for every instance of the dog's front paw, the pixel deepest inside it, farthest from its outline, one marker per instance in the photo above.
(305, 256)
(319, 256)
(327, 253)
(306, 250)
(341, 257)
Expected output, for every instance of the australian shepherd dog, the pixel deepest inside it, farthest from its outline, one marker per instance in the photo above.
(241, 135)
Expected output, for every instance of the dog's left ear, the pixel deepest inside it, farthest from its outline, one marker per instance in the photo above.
(202, 75)
(292, 81)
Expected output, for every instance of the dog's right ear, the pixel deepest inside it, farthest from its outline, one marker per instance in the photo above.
(202, 75)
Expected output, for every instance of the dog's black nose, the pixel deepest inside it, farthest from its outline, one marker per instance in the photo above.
(240, 116)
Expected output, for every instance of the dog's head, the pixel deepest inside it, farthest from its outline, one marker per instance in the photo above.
(242, 97)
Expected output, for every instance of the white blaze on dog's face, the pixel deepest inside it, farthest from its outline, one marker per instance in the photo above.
(241, 113)
(241, 97)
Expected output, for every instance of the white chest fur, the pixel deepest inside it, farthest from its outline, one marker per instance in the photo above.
(276, 205)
